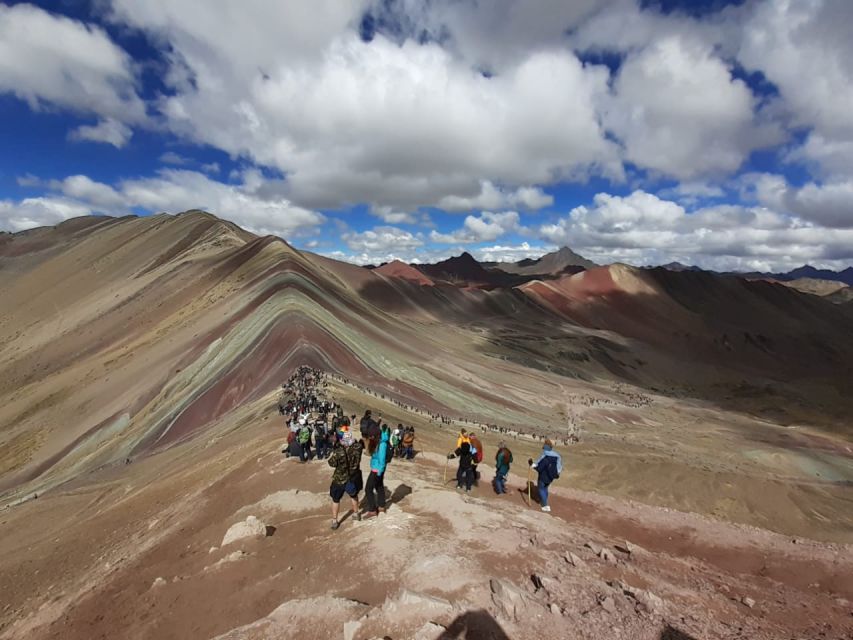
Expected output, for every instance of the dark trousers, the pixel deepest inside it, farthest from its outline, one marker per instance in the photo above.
(465, 476)
(374, 492)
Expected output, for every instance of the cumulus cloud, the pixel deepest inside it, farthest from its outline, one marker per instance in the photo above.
(829, 204)
(382, 239)
(486, 227)
(389, 215)
(48, 59)
(678, 111)
(170, 191)
(109, 131)
(38, 212)
(643, 229)
(400, 124)
(492, 197)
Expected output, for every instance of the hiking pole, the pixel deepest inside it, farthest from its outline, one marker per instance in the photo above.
(529, 481)
(446, 462)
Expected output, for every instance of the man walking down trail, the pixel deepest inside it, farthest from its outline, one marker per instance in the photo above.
(346, 459)
(374, 492)
(549, 466)
(503, 458)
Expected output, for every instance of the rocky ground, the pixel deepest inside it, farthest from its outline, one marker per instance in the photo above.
(142, 551)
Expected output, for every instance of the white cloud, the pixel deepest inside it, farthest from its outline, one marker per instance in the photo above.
(53, 60)
(389, 215)
(678, 111)
(170, 157)
(108, 130)
(492, 197)
(805, 50)
(485, 228)
(382, 239)
(211, 167)
(99, 196)
(170, 191)
(829, 204)
(38, 212)
(399, 124)
(511, 253)
(643, 229)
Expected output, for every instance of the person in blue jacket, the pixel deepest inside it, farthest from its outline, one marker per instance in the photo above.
(549, 466)
(374, 491)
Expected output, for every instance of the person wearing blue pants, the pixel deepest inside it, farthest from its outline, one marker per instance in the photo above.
(549, 466)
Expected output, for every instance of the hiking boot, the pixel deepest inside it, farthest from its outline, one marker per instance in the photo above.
(335, 524)
(467, 489)
(370, 514)
(546, 509)
(459, 487)
(356, 516)
(381, 509)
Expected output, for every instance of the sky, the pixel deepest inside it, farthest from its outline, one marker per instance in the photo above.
(706, 132)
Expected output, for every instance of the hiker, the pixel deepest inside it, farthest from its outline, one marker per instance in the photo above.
(346, 460)
(304, 440)
(374, 491)
(503, 458)
(549, 466)
(465, 470)
(463, 437)
(369, 426)
(478, 451)
(321, 440)
(396, 441)
(409, 443)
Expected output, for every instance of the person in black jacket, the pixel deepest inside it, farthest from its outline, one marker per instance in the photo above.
(465, 471)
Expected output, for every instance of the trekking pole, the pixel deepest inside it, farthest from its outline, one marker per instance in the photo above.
(446, 462)
(529, 480)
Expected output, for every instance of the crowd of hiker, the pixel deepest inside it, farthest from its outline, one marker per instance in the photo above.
(319, 429)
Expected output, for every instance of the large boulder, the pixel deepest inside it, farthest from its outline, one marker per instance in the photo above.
(251, 527)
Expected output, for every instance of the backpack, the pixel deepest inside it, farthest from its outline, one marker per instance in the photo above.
(304, 436)
(389, 453)
(478, 454)
(548, 469)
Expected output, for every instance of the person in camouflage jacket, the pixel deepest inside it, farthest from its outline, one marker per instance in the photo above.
(346, 478)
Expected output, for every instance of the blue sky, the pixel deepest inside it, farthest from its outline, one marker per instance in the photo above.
(712, 133)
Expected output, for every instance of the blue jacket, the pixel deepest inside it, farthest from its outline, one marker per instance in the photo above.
(549, 465)
(379, 457)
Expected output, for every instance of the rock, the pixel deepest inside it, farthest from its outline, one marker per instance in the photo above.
(250, 528)
(608, 604)
(573, 560)
(159, 582)
(409, 600)
(430, 631)
(649, 601)
(351, 628)
(213, 549)
(511, 600)
(624, 547)
(607, 556)
(537, 582)
(555, 609)
(748, 602)
(596, 549)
